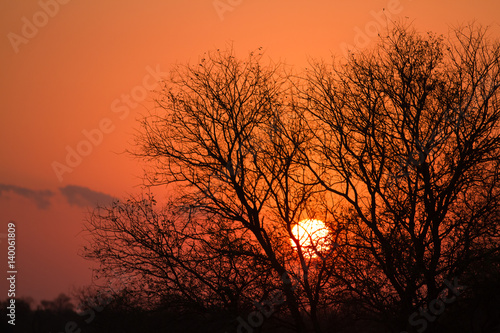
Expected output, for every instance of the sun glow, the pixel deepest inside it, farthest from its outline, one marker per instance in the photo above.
(312, 236)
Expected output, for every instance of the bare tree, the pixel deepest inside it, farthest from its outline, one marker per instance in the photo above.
(397, 151)
(225, 140)
(178, 259)
(407, 138)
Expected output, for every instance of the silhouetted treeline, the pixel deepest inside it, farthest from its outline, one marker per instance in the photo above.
(476, 309)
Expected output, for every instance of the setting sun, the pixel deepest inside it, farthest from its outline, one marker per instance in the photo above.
(312, 236)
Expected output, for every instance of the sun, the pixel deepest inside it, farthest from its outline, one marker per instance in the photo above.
(312, 235)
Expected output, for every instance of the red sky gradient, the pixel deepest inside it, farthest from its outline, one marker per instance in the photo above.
(70, 75)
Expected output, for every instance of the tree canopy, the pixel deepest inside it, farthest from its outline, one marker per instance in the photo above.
(395, 149)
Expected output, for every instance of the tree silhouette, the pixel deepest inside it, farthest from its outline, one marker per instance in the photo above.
(60, 304)
(396, 150)
(225, 139)
(407, 139)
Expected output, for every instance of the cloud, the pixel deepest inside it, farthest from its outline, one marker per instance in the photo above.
(75, 195)
(83, 196)
(40, 197)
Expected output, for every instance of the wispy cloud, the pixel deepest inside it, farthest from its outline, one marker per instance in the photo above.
(83, 196)
(40, 197)
(75, 195)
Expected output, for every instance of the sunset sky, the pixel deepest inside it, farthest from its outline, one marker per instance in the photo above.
(76, 75)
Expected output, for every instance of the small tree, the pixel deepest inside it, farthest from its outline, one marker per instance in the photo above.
(181, 261)
(62, 303)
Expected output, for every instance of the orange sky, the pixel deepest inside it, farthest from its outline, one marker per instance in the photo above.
(72, 73)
